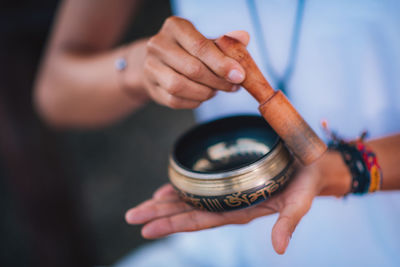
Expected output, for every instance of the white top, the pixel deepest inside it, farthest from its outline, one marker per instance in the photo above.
(347, 72)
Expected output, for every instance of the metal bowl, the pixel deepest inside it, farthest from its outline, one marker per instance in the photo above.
(229, 163)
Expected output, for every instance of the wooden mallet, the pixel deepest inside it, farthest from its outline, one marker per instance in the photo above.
(274, 106)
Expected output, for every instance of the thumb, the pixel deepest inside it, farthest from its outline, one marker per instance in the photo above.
(241, 36)
(287, 221)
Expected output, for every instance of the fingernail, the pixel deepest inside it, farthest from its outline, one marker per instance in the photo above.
(130, 217)
(149, 231)
(135, 217)
(235, 88)
(146, 232)
(235, 76)
(287, 242)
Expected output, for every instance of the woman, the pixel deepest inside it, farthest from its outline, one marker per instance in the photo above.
(335, 60)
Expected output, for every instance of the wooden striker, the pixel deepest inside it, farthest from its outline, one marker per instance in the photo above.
(275, 107)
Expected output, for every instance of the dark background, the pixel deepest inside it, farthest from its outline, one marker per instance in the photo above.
(63, 195)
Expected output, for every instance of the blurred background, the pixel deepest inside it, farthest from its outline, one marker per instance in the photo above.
(63, 194)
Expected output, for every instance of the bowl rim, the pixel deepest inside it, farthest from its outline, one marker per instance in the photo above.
(219, 174)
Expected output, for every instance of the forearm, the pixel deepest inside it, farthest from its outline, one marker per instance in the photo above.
(337, 177)
(77, 84)
(85, 90)
(387, 150)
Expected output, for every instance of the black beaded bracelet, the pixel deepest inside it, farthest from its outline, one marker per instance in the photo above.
(354, 160)
(361, 161)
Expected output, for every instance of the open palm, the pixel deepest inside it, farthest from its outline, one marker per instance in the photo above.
(166, 213)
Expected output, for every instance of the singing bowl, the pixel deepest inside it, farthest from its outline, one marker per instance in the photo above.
(229, 163)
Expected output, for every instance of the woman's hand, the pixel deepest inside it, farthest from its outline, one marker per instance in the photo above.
(166, 213)
(182, 68)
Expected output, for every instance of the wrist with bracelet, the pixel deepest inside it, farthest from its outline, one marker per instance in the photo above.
(120, 65)
(361, 161)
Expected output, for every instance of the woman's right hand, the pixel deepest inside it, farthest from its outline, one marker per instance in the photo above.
(182, 68)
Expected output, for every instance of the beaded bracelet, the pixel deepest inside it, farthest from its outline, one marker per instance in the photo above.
(371, 162)
(361, 161)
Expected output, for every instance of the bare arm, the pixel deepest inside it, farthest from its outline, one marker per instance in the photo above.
(165, 213)
(387, 150)
(78, 85)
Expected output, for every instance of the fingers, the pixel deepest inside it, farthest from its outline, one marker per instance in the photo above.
(293, 203)
(241, 36)
(182, 68)
(172, 89)
(287, 221)
(166, 214)
(165, 191)
(166, 196)
(151, 209)
(204, 49)
(178, 85)
(195, 220)
(173, 56)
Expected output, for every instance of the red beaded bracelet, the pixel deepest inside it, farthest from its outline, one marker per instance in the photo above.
(371, 161)
(361, 161)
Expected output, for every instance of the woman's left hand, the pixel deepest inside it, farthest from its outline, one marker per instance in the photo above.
(166, 213)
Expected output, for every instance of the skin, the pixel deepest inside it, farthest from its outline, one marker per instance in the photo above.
(78, 87)
(166, 214)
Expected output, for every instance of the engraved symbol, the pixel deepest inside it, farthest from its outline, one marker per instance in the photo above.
(196, 202)
(259, 193)
(236, 199)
